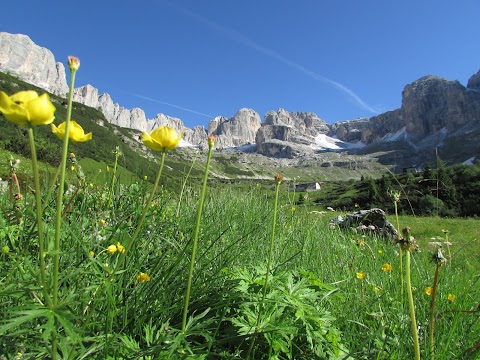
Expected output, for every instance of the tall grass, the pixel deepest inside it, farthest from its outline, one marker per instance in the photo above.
(112, 316)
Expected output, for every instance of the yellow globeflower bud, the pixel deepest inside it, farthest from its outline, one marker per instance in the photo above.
(428, 291)
(73, 63)
(162, 139)
(112, 249)
(27, 108)
(211, 140)
(75, 132)
(360, 275)
(91, 253)
(278, 178)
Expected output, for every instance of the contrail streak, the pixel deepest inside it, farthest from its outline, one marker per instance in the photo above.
(242, 39)
(168, 104)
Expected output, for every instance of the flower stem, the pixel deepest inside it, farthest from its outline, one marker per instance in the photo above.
(183, 186)
(411, 306)
(400, 255)
(195, 238)
(272, 239)
(110, 197)
(39, 208)
(62, 166)
(269, 265)
(432, 314)
(147, 206)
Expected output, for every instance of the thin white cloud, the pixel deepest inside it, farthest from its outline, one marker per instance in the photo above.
(242, 39)
(168, 104)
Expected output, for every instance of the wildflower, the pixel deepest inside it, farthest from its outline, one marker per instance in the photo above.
(120, 248)
(211, 140)
(380, 251)
(91, 254)
(141, 278)
(5, 249)
(73, 63)
(145, 177)
(112, 249)
(72, 168)
(162, 139)
(386, 267)
(75, 132)
(278, 178)
(451, 297)
(360, 275)
(27, 108)
(428, 291)
(293, 208)
(101, 222)
(376, 289)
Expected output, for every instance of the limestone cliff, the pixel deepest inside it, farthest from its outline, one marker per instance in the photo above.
(20, 56)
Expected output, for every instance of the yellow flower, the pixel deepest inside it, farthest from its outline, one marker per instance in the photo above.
(112, 249)
(376, 289)
(120, 248)
(145, 177)
(72, 168)
(380, 251)
(5, 249)
(91, 253)
(360, 275)
(428, 291)
(386, 267)
(293, 208)
(73, 63)
(27, 108)
(75, 132)
(101, 222)
(451, 297)
(162, 139)
(141, 278)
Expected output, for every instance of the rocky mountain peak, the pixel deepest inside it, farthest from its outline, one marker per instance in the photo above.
(238, 130)
(20, 56)
(432, 103)
(474, 82)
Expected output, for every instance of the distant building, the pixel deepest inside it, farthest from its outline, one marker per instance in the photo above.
(306, 187)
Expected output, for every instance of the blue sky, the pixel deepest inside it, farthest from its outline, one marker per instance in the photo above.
(196, 59)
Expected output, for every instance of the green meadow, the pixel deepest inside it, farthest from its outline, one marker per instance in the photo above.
(315, 305)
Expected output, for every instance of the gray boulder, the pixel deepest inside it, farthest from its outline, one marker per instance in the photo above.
(370, 221)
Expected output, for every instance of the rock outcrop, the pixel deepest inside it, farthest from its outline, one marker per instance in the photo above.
(20, 56)
(283, 133)
(134, 118)
(373, 221)
(431, 104)
(238, 130)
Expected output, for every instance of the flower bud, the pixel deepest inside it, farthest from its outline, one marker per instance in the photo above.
(73, 63)
(278, 178)
(211, 140)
